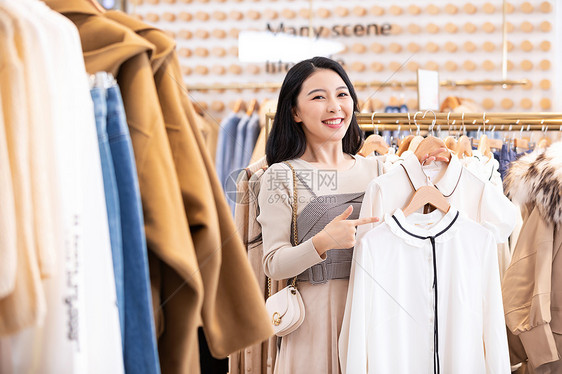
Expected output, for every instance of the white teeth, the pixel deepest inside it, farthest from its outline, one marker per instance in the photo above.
(333, 122)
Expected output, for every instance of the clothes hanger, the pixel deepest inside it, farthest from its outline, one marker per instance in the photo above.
(520, 142)
(432, 144)
(450, 141)
(415, 142)
(483, 145)
(374, 142)
(464, 145)
(545, 141)
(426, 195)
(238, 106)
(494, 143)
(405, 143)
(102, 79)
(252, 107)
(450, 102)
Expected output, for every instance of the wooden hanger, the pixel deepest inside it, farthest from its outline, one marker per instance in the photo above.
(450, 102)
(238, 106)
(415, 142)
(484, 147)
(545, 140)
(426, 195)
(451, 143)
(404, 144)
(252, 107)
(464, 147)
(374, 143)
(521, 143)
(495, 144)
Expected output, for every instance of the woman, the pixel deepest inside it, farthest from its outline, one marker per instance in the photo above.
(316, 131)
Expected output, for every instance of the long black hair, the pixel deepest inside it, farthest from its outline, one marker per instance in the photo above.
(287, 139)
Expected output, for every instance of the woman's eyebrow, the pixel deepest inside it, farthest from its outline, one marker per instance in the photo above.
(316, 90)
(323, 90)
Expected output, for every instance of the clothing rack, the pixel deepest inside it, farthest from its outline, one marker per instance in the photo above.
(497, 121)
(359, 84)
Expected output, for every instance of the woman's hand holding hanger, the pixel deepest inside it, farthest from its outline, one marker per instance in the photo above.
(436, 155)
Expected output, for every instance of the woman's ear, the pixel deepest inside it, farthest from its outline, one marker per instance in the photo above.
(296, 116)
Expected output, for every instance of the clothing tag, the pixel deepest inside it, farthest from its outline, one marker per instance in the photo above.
(424, 224)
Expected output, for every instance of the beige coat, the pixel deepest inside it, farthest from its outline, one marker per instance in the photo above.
(532, 286)
(259, 358)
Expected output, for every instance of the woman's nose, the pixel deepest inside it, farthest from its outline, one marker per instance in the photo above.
(334, 106)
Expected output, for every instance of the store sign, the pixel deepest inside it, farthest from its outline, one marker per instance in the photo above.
(346, 30)
(256, 46)
(281, 46)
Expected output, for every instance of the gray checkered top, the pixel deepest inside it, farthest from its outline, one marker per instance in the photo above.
(313, 218)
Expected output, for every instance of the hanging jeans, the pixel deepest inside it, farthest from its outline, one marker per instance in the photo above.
(140, 351)
(111, 198)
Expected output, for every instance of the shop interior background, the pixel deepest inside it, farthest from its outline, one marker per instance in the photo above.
(385, 41)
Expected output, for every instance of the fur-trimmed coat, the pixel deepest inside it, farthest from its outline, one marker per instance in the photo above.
(532, 286)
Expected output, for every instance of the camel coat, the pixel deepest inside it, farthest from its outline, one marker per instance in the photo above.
(206, 210)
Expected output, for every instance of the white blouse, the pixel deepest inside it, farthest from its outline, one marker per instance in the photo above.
(392, 317)
(479, 200)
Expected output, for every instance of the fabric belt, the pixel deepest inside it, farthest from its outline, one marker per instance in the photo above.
(323, 272)
(436, 366)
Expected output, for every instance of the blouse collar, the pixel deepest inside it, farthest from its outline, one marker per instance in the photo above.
(417, 226)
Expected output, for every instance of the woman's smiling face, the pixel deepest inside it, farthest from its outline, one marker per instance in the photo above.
(324, 107)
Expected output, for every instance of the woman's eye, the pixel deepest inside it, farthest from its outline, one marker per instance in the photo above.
(317, 97)
(343, 94)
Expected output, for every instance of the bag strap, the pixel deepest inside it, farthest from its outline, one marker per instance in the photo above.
(294, 222)
(295, 198)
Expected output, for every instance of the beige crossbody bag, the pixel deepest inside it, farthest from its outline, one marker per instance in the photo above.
(286, 308)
